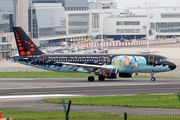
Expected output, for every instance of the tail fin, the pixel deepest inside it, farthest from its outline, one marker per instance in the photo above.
(25, 45)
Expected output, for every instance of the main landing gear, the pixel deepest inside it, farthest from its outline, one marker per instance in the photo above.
(101, 78)
(152, 77)
(91, 78)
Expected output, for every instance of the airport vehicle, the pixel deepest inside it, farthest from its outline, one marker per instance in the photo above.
(104, 65)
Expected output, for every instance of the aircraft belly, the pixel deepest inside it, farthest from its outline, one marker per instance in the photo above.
(144, 69)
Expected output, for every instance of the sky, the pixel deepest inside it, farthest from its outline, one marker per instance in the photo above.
(141, 3)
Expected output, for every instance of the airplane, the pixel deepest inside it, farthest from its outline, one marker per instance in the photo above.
(106, 66)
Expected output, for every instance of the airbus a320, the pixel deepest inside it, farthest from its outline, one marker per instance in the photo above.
(106, 66)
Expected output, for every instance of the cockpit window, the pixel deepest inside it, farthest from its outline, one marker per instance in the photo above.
(167, 60)
(164, 60)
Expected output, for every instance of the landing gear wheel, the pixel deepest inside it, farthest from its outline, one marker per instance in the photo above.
(101, 78)
(153, 79)
(90, 78)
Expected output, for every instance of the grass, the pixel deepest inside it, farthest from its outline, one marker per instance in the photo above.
(50, 74)
(140, 100)
(39, 115)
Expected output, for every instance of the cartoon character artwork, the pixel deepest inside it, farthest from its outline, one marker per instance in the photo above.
(129, 62)
(126, 63)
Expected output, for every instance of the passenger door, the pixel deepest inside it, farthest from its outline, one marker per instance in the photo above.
(151, 60)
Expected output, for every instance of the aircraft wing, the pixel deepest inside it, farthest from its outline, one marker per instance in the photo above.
(88, 67)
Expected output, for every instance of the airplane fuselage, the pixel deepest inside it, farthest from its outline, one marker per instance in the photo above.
(125, 63)
(103, 65)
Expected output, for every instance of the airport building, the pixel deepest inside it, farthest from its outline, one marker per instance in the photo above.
(49, 22)
(6, 23)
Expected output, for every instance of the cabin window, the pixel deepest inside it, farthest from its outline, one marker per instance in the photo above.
(167, 60)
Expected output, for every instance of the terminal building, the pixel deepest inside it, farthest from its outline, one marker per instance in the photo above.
(6, 23)
(49, 22)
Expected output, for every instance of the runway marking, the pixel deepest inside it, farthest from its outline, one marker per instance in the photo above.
(88, 91)
(37, 96)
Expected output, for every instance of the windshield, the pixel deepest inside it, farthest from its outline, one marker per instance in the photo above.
(163, 60)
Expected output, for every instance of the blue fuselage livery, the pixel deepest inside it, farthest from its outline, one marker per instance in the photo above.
(104, 65)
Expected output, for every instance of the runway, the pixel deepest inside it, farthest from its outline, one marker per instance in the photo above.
(27, 94)
(81, 87)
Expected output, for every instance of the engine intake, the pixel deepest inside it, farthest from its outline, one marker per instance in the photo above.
(110, 73)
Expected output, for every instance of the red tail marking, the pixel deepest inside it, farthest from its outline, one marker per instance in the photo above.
(19, 44)
(29, 42)
(32, 49)
(32, 45)
(28, 52)
(15, 32)
(22, 53)
(18, 41)
(25, 41)
(21, 48)
(17, 37)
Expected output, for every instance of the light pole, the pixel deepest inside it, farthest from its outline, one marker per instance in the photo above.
(31, 21)
(147, 31)
(102, 30)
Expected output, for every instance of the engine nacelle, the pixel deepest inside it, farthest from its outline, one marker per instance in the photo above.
(125, 75)
(110, 73)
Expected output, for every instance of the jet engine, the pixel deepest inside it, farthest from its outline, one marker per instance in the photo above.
(125, 75)
(110, 73)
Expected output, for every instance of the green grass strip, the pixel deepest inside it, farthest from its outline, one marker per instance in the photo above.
(140, 100)
(39, 115)
(50, 74)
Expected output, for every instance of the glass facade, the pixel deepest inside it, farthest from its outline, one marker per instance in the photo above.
(166, 27)
(95, 20)
(34, 23)
(78, 23)
(170, 15)
(6, 22)
(6, 15)
(47, 22)
(6, 6)
(75, 8)
(128, 30)
(69, 5)
(128, 23)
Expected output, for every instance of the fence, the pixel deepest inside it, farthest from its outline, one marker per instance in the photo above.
(121, 44)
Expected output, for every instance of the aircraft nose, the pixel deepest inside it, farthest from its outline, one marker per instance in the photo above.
(172, 66)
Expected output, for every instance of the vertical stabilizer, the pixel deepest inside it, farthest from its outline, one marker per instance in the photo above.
(25, 45)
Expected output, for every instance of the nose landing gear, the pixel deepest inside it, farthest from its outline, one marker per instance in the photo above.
(152, 77)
